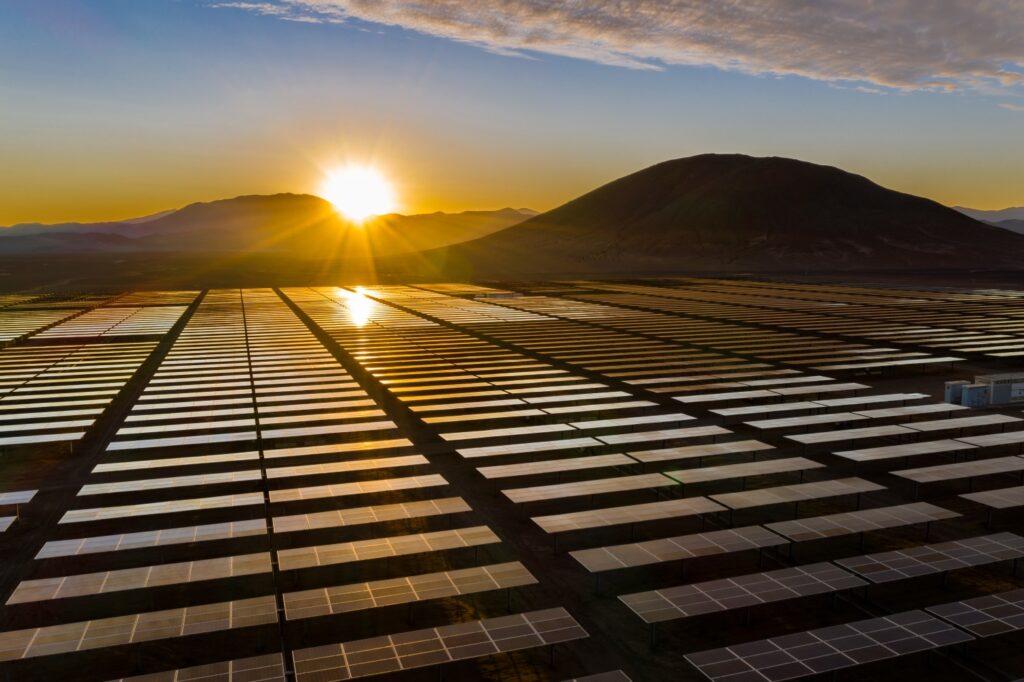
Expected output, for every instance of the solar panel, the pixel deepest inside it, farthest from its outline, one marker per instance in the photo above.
(434, 646)
(995, 439)
(347, 466)
(927, 447)
(357, 488)
(744, 470)
(42, 438)
(765, 408)
(556, 466)
(992, 614)
(956, 470)
(1003, 498)
(827, 649)
(850, 434)
(908, 410)
(666, 434)
(636, 513)
(726, 594)
(17, 497)
(352, 516)
(364, 550)
(885, 567)
(302, 431)
(962, 422)
(336, 448)
(138, 627)
(533, 446)
(631, 421)
(726, 396)
(182, 441)
(510, 432)
(805, 420)
(815, 490)
(700, 451)
(864, 520)
(152, 538)
(559, 491)
(168, 507)
(404, 590)
(889, 363)
(107, 467)
(170, 482)
(676, 548)
(85, 584)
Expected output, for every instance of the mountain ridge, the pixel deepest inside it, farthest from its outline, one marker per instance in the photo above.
(1013, 225)
(993, 216)
(732, 211)
(285, 223)
(707, 213)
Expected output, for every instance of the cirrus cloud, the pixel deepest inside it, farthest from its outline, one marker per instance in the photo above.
(900, 44)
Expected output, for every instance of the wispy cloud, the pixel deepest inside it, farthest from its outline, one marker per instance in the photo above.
(902, 44)
(286, 10)
(1012, 107)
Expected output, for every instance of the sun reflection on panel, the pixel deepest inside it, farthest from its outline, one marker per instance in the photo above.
(360, 306)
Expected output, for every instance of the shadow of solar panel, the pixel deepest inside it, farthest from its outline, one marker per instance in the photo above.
(269, 668)
(610, 676)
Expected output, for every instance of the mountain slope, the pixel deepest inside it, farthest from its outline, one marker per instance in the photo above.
(1013, 213)
(734, 212)
(1014, 225)
(287, 224)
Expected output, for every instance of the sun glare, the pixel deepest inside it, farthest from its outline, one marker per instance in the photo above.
(360, 306)
(358, 192)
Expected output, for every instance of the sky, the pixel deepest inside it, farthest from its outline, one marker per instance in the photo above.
(112, 109)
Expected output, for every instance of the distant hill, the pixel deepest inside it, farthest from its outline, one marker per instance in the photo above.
(713, 213)
(293, 225)
(729, 212)
(1012, 225)
(1014, 213)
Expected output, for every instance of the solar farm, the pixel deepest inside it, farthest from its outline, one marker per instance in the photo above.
(688, 478)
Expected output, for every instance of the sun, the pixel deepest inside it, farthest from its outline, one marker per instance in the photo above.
(358, 192)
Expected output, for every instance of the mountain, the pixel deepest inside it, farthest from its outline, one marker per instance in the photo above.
(1014, 213)
(729, 212)
(288, 224)
(1016, 225)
